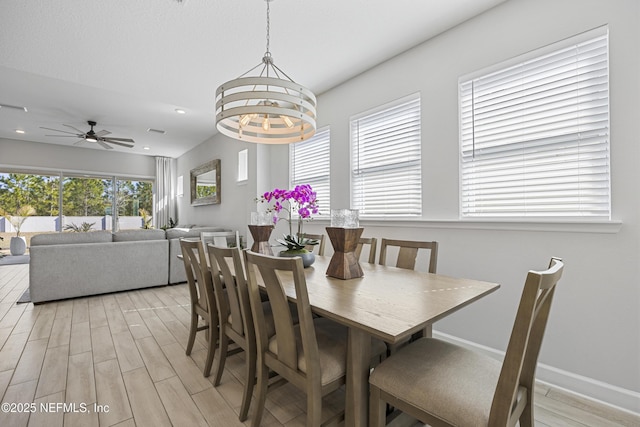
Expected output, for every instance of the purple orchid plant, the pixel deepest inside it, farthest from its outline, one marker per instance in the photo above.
(301, 201)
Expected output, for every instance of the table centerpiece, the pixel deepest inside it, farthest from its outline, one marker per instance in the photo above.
(296, 206)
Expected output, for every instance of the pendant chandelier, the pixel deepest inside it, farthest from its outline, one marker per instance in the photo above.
(269, 108)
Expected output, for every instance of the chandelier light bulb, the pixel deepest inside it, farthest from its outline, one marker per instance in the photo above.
(244, 120)
(287, 121)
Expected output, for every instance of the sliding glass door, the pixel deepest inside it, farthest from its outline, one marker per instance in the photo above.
(87, 203)
(74, 202)
(134, 206)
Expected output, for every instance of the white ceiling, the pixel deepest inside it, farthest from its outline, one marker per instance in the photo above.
(130, 64)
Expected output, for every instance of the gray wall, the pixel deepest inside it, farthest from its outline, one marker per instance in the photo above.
(34, 155)
(593, 341)
(236, 198)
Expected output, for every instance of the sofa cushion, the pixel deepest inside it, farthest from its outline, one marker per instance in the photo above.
(71, 238)
(176, 233)
(136, 235)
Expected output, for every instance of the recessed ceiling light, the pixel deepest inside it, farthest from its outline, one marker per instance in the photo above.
(180, 111)
(19, 131)
(146, 147)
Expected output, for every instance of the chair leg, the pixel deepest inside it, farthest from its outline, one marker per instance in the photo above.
(526, 418)
(250, 379)
(212, 334)
(314, 409)
(263, 382)
(222, 358)
(192, 332)
(377, 408)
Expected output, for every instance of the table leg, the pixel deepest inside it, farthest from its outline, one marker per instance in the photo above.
(426, 332)
(358, 361)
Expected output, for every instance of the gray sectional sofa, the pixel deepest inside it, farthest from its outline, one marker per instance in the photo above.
(68, 265)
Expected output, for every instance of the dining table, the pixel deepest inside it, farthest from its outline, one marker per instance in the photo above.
(388, 303)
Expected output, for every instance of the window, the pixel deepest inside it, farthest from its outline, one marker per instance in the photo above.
(309, 163)
(89, 201)
(72, 202)
(86, 202)
(385, 160)
(40, 191)
(134, 204)
(535, 135)
(243, 165)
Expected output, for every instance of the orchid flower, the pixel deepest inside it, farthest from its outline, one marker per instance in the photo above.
(301, 200)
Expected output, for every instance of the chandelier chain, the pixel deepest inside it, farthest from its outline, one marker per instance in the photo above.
(268, 25)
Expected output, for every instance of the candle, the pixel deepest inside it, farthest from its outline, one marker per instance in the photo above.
(344, 218)
(261, 218)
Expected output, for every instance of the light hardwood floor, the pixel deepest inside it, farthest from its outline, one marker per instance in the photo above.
(125, 351)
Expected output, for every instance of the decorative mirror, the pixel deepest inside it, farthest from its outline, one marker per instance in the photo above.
(205, 184)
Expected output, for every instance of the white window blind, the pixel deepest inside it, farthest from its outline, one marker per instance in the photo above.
(386, 168)
(535, 136)
(309, 163)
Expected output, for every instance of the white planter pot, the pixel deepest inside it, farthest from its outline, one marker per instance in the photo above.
(18, 245)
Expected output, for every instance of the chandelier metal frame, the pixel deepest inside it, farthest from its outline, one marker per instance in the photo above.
(269, 108)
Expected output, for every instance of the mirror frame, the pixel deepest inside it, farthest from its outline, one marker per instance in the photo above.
(200, 170)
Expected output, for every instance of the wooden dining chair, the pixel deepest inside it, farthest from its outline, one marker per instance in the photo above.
(408, 253)
(219, 238)
(201, 293)
(373, 244)
(443, 384)
(320, 245)
(407, 256)
(235, 318)
(312, 355)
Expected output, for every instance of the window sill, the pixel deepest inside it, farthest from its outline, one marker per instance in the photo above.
(574, 226)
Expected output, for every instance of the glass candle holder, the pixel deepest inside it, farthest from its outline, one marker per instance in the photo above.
(345, 218)
(261, 218)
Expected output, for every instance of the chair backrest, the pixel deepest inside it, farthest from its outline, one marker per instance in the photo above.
(520, 360)
(228, 273)
(219, 238)
(373, 244)
(198, 278)
(320, 245)
(408, 252)
(269, 269)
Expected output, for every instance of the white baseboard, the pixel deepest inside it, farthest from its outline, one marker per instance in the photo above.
(586, 387)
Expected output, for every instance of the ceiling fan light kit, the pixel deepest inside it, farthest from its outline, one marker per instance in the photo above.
(269, 108)
(91, 135)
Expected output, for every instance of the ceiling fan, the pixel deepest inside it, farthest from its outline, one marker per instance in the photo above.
(95, 137)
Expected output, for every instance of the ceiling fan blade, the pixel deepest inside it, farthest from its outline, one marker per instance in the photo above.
(58, 130)
(102, 133)
(66, 136)
(74, 128)
(81, 142)
(104, 145)
(118, 143)
(121, 139)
